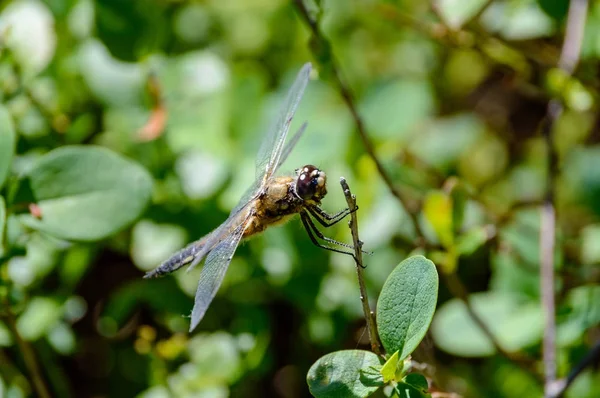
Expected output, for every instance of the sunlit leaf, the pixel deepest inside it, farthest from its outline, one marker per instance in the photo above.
(86, 193)
(438, 210)
(406, 305)
(388, 370)
(340, 374)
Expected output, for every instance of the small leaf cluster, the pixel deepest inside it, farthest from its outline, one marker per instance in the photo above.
(404, 312)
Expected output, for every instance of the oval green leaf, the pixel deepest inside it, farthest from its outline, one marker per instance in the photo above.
(7, 143)
(348, 373)
(86, 193)
(2, 224)
(515, 323)
(406, 305)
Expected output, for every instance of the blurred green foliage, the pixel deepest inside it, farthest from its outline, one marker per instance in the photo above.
(162, 104)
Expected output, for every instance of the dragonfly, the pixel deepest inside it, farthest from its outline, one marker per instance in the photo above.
(269, 201)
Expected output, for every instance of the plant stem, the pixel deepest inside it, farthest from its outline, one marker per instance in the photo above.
(364, 298)
(569, 58)
(28, 356)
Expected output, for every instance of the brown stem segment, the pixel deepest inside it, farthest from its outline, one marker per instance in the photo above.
(364, 298)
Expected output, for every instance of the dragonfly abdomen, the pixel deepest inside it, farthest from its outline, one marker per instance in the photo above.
(178, 260)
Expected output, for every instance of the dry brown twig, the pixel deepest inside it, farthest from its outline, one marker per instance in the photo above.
(364, 298)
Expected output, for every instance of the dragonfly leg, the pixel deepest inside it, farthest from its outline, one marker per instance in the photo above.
(312, 231)
(326, 219)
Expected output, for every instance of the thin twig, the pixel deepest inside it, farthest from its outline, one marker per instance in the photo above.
(569, 58)
(364, 298)
(28, 356)
(559, 387)
(458, 290)
(360, 127)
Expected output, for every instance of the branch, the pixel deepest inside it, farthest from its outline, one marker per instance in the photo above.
(28, 355)
(569, 59)
(364, 298)
(559, 387)
(458, 290)
(349, 100)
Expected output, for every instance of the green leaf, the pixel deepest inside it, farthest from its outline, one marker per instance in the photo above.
(513, 321)
(86, 193)
(591, 41)
(345, 373)
(557, 9)
(473, 239)
(581, 311)
(457, 12)
(7, 143)
(405, 390)
(417, 380)
(522, 20)
(388, 370)
(406, 305)
(438, 211)
(394, 108)
(39, 317)
(443, 141)
(2, 224)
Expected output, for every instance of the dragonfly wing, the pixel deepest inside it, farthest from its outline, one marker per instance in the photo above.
(272, 152)
(291, 144)
(272, 144)
(213, 273)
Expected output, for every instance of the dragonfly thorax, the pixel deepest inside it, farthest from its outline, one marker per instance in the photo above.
(311, 183)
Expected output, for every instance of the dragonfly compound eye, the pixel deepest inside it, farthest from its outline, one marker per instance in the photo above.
(311, 183)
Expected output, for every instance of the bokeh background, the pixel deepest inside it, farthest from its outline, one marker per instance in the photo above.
(452, 94)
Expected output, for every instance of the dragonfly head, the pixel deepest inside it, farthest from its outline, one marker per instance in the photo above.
(311, 183)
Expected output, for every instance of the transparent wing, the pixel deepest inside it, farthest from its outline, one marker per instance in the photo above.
(272, 144)
(213, 273)
(255, 189)
(272, 153)
(290, 145)
(221, 233)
